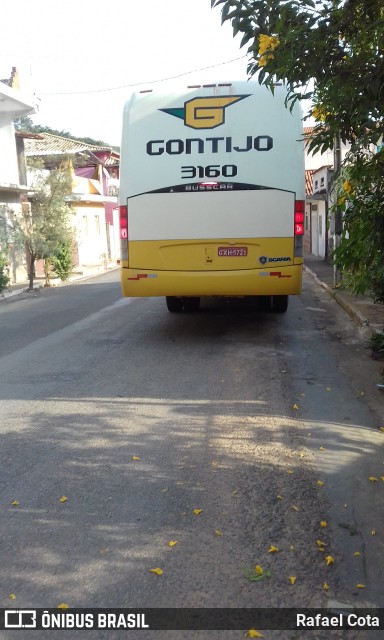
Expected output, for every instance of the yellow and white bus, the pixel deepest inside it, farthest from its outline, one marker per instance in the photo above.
(212, 195)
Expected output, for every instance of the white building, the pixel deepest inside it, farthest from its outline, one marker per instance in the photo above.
(13, 181)
(318, 235)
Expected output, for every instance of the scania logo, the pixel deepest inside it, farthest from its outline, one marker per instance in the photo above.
(204, 113)
(265, 259)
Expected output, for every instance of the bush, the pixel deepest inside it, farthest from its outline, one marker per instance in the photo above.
(4, 278)
(376, 341)
(62, 260)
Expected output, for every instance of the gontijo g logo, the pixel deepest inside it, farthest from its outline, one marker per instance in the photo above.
(204, 113)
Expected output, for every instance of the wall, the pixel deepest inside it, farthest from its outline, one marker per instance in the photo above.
(9, 171)
(91, 234)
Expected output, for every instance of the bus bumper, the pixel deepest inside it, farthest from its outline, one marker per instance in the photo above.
(285, 280)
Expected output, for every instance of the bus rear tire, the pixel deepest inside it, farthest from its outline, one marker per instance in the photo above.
(174, 305)
(279, 304)
(191, 304)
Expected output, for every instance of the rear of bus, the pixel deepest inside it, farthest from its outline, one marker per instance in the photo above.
(212, 195)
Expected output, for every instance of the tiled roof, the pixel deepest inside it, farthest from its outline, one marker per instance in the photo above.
(54, 145)
(28, 134)
(308, 130)
(308, 182)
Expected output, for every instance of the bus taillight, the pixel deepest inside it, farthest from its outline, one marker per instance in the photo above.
(299, 217)
(299, 228)
(123, 211)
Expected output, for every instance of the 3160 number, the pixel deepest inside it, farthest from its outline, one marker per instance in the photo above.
(210, 171)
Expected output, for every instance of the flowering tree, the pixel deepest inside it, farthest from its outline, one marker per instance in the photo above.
(332, 52)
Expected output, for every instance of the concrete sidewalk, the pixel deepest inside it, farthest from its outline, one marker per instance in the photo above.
(361, 309)
(82, 273)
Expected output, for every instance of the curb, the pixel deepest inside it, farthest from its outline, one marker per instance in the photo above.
(349, 308)
(9, 294)
(55, 283)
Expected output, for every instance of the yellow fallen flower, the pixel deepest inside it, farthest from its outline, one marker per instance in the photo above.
(197, 511)
(372, 479)
(329, 560)
(157, 571)
(323, 523)
(63, 499)
(172, 543)
(252, 633)
(292, 579)
(63, 606)
(273, 549)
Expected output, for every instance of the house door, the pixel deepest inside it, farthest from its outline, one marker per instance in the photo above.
(315, 229)
(321, 232)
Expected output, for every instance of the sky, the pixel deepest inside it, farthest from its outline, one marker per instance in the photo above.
(83, 58)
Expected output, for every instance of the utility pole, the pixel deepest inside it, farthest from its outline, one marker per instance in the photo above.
(338, 212)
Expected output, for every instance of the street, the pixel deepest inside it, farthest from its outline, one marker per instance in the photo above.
(240, 436)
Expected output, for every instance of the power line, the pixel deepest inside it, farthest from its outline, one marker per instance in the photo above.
(137, 84)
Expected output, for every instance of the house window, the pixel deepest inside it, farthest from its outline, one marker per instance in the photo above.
(85, 225)
(316, 184)
(322, 181)
(97, 224)
(306, 221)
(320, 225)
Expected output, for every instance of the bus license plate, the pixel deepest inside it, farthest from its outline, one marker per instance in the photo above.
(232, 252)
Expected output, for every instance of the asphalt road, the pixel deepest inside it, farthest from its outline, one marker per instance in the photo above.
(119, 420)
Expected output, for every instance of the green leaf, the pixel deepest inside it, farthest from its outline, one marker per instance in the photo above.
(246, 38)
(252, 576)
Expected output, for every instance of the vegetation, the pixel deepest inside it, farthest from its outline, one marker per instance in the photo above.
(62, 259)
(45, 224)
(360, 196)
(331, 52)
(4, 278)
(377, 342)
